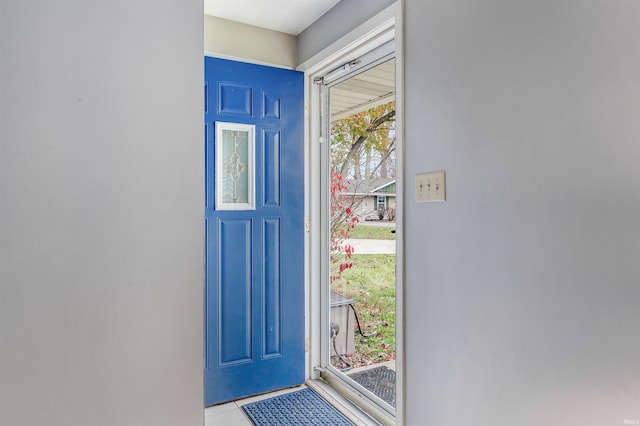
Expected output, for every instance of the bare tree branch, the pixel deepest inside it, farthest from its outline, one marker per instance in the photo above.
(362, 138)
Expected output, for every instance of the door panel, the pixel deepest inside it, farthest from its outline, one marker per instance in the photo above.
(271, 178)
(254, 293)
(234, 310)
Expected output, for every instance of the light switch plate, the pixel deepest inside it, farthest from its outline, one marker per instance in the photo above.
(430, 187)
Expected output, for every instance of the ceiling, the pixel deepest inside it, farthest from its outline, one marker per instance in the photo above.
(287, 16)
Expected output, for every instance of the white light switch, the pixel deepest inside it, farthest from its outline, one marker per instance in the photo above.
(430, 187)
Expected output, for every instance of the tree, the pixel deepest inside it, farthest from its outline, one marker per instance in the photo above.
(343, 220)
(363, 147)
(367, 135)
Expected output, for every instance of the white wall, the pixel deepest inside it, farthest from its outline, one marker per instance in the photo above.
(233, 40)
(101, 201)
(523, 288)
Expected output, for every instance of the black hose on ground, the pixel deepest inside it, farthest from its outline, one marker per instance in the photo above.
(358, 322)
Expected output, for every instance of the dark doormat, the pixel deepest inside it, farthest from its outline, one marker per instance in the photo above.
(304, 407)
(379, 380)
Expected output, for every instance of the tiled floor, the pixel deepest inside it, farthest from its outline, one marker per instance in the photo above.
(230, 414)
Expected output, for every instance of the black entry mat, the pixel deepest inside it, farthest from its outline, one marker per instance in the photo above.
(379, 380)
(301, 408)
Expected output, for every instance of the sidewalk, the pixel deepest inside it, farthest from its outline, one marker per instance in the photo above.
(380, 223)
(372, 246)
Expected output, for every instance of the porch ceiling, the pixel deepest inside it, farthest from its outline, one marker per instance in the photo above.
(369, 89)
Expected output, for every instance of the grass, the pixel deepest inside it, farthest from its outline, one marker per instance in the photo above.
(372, 233)
(371, 284)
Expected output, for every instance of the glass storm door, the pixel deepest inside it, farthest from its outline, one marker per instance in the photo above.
(359, 115)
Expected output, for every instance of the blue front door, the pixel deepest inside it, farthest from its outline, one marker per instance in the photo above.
(254, 293)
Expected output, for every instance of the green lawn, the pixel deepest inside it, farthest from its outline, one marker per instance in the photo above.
(372, 232)
(371, 284)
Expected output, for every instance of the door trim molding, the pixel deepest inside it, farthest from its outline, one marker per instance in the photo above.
(378, 29)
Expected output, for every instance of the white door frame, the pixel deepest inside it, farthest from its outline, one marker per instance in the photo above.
(383, 28)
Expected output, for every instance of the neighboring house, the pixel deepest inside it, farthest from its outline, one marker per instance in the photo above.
(373, 199)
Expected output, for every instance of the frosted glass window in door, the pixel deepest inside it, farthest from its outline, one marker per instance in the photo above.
(235, 144)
